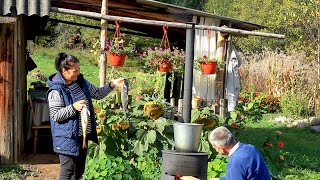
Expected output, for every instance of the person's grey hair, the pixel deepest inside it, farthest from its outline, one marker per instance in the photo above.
(221, 136)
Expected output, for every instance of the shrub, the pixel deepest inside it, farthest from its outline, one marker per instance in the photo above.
(106, 166)
(295, 104)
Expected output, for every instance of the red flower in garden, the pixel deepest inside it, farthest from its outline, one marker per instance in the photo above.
(280, 144)
(234, 125)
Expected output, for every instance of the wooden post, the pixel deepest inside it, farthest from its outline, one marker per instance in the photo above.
(180, 110)
(103, 36)
(222, 108)
(172, 102)
(7, 55)
(167, 87)
(219, 82)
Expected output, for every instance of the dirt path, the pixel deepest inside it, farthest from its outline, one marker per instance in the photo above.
(44, 166)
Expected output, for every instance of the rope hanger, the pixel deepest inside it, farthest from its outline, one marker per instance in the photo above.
(165, 39)
(117, 33)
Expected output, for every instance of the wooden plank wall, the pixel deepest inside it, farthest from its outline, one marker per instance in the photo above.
(7, 42)
(20, 88)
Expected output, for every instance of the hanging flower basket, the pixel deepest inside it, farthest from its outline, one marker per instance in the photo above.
(116, 59)
(164, 65)
(208, 67)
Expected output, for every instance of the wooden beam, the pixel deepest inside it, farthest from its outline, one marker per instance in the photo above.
(104, 35)
(161, 23)
(4, 19)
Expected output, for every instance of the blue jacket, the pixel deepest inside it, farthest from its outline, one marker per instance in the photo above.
(246, 163)
(65, 133)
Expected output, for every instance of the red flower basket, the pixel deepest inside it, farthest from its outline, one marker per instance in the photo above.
(208, 67)
(164, 65)
(116, 59)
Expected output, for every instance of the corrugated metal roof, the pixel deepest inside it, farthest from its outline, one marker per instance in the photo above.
(26, 7)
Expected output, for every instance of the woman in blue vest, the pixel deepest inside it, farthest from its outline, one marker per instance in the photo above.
(68, 92)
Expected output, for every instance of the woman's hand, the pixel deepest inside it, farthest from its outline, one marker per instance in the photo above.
(79, 104)
(116, 82)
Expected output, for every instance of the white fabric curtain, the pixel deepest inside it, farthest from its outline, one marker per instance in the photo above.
(205, 44)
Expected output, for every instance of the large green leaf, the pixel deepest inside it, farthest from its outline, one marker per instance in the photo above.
(195, 114)
(247, 108)
(233, 115)
(140, 134)
(151, 137)
(138, 148)
(160, 124)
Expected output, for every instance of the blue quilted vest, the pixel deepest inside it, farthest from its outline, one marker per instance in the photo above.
(65, 133)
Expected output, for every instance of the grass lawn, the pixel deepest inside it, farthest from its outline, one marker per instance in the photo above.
(301, 147)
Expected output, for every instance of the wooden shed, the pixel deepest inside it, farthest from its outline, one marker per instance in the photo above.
(23, 20)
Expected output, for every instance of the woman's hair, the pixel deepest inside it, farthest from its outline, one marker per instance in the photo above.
(222, 136)
(63, 60)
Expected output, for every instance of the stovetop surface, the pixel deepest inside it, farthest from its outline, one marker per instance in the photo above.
(185, 153)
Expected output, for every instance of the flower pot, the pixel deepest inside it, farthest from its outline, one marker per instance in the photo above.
(164, 65)
(116, 59)
(208, 67)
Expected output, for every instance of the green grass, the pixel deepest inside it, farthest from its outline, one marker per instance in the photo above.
(301, 147)
(45, 57)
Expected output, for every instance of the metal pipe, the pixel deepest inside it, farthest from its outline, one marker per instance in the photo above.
(188, 75)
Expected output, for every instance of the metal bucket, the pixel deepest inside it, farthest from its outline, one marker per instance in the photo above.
(187, 136)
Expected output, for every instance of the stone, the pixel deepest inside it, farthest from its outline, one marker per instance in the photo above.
(303, 125)
(314, 121)
(283, 119)
(316, 128)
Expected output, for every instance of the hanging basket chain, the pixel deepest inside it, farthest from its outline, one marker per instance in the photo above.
(165, 39)
(117, 33)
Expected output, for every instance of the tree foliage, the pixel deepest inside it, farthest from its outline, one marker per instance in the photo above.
(297, 19)
(194, 4)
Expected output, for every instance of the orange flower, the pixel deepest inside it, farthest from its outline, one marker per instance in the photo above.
(234, 125)
(99, 128)
(101, 116)
(280, 144)
(115, 126)
(96, 109)
(123, 126)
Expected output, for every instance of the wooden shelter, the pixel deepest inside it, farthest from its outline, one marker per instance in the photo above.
(23, 20)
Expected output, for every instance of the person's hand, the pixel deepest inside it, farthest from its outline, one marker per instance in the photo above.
(79, 104)
(116, 82)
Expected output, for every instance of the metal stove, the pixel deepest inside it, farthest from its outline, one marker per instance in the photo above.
(177, 164)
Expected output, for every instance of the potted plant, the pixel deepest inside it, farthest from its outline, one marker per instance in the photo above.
(209, 65)
(164, 60)
(116, 51)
